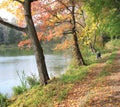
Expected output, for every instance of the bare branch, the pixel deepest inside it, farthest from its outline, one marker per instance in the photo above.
(80, 25)
(78, 13)
(52, 13)
(67, 32)
(64, 5)
(12, 26)
(19, 1)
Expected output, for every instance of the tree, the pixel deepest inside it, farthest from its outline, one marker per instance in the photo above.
(58, 19)
(64, 21)
(74, 32)
(107, 15)
(30, 30)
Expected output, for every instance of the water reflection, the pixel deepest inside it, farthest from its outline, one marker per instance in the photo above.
(56, 66)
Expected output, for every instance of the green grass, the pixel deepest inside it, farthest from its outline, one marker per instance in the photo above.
(111, 58)
(56, 90)
(74, 74)
(113, 45)
(43, 95)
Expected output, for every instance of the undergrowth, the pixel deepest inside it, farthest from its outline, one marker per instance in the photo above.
(3, 100)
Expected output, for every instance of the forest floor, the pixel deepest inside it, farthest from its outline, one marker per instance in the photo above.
(101, 88)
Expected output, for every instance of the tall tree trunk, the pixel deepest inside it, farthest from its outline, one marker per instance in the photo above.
(40, 60)
(92, 45)
(77, 50)
(94, 42)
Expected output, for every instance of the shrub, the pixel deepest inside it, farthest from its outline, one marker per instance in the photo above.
(3, 100)
(18, 90)
(32, 80)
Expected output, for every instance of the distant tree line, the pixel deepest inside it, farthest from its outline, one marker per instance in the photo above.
(9, 36)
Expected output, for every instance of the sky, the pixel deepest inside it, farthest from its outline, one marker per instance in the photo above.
(5, 14)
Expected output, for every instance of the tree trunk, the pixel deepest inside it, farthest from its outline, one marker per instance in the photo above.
(92, 45)
(92, 48)
(40, 60)
(77, 51)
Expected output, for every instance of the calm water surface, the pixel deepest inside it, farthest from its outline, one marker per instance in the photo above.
(56, 66)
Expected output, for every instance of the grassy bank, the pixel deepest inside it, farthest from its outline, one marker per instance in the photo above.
(55, 92)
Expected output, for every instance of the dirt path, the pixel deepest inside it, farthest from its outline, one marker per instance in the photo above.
(107, 94)
(93, 92)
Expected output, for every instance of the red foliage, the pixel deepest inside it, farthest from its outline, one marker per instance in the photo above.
(45, 16)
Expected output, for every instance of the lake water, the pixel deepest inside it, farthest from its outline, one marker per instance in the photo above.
(56, 65)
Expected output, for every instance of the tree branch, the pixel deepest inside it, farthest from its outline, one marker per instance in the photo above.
(23, 2)
(52, 13)
(64, 5)
(13, 26)
(33, 0)
(19, 1)
(80, 24)
(67, 32)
